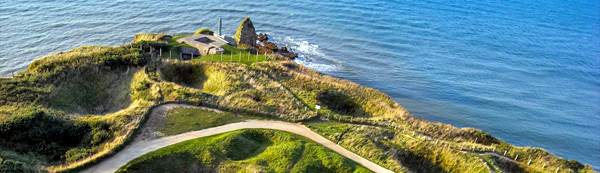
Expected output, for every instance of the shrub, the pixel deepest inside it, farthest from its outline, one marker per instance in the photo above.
(205, 31)
(11, 166)
(151, 37)
(338, 101)
(76, 154)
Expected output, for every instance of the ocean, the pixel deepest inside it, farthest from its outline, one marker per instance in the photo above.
(528, 72)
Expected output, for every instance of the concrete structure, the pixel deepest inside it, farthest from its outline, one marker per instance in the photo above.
(187, 53)
(206, 44)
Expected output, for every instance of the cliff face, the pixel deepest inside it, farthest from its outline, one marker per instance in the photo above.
(246, 35)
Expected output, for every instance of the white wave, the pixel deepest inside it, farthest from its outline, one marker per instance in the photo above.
(317, 66)
(309, 54)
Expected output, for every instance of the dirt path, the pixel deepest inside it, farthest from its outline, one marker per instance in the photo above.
(151, 129)
(142, 145)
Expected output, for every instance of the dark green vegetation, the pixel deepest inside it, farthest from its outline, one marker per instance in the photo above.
(180, 120)
(71, 109)
(338, 102)
(205, 31)
(244, 151)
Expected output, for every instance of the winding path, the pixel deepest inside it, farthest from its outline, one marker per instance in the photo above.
(140, 147)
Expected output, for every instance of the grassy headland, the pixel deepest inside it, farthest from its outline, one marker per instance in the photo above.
(71, 109)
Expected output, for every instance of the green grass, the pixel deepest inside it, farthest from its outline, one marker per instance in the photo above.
(233, 54)
(181, 120)
(251, 150)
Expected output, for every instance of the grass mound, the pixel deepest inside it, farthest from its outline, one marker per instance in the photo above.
(244, 151)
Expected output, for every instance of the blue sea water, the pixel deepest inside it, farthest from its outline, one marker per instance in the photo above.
(527, 72)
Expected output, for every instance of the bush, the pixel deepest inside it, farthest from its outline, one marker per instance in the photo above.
(151, 37)
(76, 154)
(10, 166)
(205, 31)
(338, 101)
(51, 135)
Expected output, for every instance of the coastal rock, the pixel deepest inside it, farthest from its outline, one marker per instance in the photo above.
(263, 37)
(283, 49)
(291, 55)
(246, 35)
(271, 46)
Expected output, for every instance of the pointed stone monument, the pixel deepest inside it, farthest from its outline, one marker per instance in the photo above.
(245, 35)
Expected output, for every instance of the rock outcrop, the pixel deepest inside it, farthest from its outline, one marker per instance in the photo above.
(271, 46)
(263, 37)
(246, 35)
(291, 55)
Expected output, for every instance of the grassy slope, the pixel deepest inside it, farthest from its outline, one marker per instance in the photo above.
(376, 108)
(244, 151)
